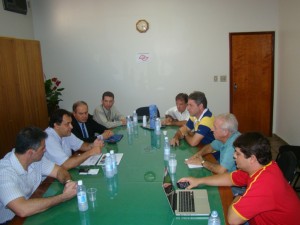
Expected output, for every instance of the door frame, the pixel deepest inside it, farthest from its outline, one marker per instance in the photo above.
(231, 83)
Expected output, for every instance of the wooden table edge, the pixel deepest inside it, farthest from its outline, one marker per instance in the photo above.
(225, 192)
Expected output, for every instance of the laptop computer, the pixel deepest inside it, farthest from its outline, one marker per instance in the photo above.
(185, 202)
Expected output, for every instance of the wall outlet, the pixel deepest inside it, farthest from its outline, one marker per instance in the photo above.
(223, 78)
(215, 78)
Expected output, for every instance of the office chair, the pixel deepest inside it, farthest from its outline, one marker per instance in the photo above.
(144, 111)
(288, 163)
(296, 151)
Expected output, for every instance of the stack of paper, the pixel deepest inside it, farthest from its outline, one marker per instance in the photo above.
(91, 161)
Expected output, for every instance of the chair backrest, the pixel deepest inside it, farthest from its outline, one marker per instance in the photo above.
(293, 148)
(144, 111)
(288, 163)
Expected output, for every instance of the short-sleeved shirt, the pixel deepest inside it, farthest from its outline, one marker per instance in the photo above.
(175, 114)
(269, 198)
(59, 149)
(226, 151)
(15, 182)
(203, 126)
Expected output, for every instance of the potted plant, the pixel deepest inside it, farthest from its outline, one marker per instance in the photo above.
(53, 93)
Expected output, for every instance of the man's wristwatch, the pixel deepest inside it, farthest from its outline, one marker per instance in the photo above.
(100, 137)
(203, 161)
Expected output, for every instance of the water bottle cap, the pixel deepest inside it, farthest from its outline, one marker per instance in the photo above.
(79, 182)
(111, 152)
(166, 138)
(214, 213)
(134, 111)
(107, 154)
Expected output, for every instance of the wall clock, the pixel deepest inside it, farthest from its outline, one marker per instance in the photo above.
(142, 26)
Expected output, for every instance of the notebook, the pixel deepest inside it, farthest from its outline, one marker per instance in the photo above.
(114, 139)
(179, 199)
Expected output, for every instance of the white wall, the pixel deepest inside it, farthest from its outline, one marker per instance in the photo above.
(16, 25)
(92, 45)
(288, 106)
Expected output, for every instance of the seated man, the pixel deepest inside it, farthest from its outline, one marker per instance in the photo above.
(198, 128)
(269, 198)
(178, 115)
(107, 114)
(225, 132)
(61, 142)
(21, 174)
(84, 127)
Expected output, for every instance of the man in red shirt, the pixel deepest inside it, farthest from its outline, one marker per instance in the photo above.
(269, 198)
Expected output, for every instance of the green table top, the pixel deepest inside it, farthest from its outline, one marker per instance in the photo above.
(135, 195)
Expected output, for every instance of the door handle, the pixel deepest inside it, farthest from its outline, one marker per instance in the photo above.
(235, 86)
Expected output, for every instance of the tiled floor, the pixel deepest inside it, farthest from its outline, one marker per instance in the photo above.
(276, 142)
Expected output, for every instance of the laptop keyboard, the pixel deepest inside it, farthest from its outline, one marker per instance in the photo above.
(186, 201)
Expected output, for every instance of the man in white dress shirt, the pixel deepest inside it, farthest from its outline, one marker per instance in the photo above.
(61, 142)
(21, 172)
(178, 115)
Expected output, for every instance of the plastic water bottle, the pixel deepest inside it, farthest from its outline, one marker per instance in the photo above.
(214, 218)
(81, 197)
(129, 125)
(167, 146)
(108, 166)
(144, 121)
(157, 126)
(152, 115)
(113, 161)
(136, 130)
(128, 120)
(135, 118)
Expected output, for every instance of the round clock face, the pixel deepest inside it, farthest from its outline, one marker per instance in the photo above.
(142, 26)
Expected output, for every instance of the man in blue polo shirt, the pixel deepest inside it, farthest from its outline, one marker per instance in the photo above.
(225, 131)
(198, 128)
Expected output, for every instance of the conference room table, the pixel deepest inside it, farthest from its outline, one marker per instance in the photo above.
(135, 194)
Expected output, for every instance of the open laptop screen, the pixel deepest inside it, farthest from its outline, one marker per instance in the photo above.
(185, 202)
(169, 189)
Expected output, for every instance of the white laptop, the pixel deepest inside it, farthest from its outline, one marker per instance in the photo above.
(185, 202)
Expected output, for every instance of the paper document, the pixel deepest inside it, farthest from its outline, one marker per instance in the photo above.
(101, 162)
(84, 171)
(193, 166)
(93, 171)
(91, 161)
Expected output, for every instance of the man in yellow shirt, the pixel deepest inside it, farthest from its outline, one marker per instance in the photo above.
(198, 128)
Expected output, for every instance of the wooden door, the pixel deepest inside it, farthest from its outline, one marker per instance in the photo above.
(251, 80)
(22, 92)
